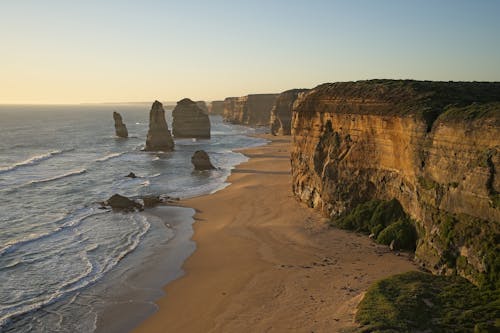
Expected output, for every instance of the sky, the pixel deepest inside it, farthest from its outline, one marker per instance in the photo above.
(86, 51)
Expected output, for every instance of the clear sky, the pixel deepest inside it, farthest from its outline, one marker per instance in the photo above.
(112, 51)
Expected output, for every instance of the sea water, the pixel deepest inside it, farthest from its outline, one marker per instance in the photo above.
(59, 253)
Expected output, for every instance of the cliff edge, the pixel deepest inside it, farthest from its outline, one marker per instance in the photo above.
(432, 146)
(281, 113)
(252, 110)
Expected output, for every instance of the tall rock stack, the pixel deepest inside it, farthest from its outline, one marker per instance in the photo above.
(120, 128)
(216, 108)
(159, 137)
(281, 113)
(189, 121)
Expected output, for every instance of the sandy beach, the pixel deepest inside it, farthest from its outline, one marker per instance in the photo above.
(266, 263)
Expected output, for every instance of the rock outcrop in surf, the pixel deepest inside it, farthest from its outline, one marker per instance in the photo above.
(190, 121)
(201, 161)
(159, 137)
(216, 108)
(120, 128)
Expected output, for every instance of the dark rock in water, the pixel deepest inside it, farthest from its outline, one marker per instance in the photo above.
(120, 128)
(119, 202)
(189, 121)
(131, 175)
(201, 161)
(159, 137)
(152, 201)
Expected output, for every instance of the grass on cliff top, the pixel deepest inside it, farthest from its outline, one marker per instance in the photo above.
(386, 220)
(417, 301)
(472, 112)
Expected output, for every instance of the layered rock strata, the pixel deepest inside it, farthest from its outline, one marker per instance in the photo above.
(433, 146)
(120, 128)
(159, 137)
(252, 110)
(281, 113)
(189, 121)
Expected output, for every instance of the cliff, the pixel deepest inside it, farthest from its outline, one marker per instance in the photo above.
(252, 110)
(189, 121)
(159, 137)
(229, 110)
(216, 108)
(281, 113)
(432, 146)
(120, 128)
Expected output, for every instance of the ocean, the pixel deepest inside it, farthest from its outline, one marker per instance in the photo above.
(65, 264)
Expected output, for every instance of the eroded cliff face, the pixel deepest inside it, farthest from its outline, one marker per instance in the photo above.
(281, 113)
(190, 121)
(159, 137)
(229, 107)
(252, 110)
(354, 142)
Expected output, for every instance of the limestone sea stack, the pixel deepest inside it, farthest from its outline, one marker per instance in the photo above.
(216, 108)
(159, 137)
(201, 161)
(189, 121)
(120, 128)
(432, 146)
(281, 113)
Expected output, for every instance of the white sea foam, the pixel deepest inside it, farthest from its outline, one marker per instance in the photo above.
(89, 276)
(110, 156)
(71, 220)
(65, 175)
(31, 161)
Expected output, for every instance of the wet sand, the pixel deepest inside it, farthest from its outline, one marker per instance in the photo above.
(265, 262)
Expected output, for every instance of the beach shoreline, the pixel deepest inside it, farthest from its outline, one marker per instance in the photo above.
(265, 262)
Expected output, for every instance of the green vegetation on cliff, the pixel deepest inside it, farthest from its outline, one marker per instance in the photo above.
(480, 238)
(417, 301)
(471, 112)
(385, 220)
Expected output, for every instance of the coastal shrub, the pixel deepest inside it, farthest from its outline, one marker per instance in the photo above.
(417, 301)
(480, 237)
(358, 218)
(402, 232)
(386, 220)
(371, 216)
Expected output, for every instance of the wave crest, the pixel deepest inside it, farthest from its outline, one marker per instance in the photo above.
(31, 161)
(65, 175)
